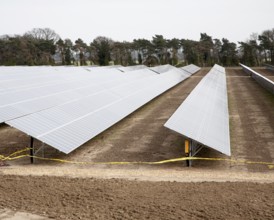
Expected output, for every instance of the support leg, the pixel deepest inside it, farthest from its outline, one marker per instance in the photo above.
(191, 152)
(31, 150)
(187, 151)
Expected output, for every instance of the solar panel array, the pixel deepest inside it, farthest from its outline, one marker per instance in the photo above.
(65, 107)
(203, 116)
(263, 81)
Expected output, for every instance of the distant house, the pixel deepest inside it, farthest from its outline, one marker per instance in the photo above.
(57, 57)
(75, 57)
(147, 58)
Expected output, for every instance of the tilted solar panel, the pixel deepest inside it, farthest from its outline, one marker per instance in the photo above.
(203, 116)
(131, 68)
(66, 127)
(263, 81)
(20, 102)
(191, 68)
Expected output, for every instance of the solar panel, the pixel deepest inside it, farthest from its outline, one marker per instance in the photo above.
(67, 126)
(12, 79)
(17, 103)
(203, 116)
(131, 68)
(263, 81)
(191, 68)
(163, 68)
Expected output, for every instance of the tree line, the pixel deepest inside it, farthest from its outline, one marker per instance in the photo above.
(43, 46)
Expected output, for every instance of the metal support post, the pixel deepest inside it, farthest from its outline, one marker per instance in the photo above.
(191, 149)
(31, 150)
(191, 152)
(187, 151)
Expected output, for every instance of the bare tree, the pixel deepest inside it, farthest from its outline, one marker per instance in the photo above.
(43, 34)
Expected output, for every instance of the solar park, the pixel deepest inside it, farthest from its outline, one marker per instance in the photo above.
(78, 121)
(65, 107)
(81, 103)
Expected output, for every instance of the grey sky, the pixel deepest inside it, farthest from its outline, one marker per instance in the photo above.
(130, 19)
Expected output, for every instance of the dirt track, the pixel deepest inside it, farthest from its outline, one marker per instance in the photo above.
(142, 137)
(251, 110)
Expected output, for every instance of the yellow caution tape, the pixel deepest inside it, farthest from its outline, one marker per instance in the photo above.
(19, 152)
(2, 157)
(14, 157)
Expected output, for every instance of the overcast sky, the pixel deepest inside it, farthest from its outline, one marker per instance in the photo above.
(131, 19)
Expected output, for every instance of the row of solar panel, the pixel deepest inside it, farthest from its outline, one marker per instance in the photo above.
(203, 116)
(263, 81)
(66, 106)
(270, 67)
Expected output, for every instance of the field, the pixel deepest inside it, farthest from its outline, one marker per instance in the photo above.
(208, 190)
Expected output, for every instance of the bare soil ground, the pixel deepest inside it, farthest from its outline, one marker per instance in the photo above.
(66, 198)
(251, 110)
(169, 191)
